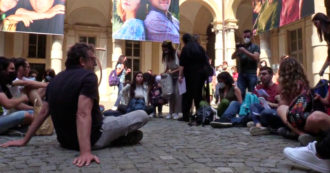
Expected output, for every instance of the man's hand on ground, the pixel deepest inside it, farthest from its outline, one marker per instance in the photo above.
(15, 143)
(85, 159)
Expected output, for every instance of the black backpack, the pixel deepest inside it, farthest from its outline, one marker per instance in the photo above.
(204, 115)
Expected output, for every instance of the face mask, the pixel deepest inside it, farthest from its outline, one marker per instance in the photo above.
(11, 76)
(48, 78)
(247, 40)
(221, 85)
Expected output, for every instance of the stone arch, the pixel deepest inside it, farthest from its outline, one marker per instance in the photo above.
(87, 15)
(211, 5)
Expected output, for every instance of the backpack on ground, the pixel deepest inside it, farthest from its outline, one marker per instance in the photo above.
(204, 114)
(113, 78)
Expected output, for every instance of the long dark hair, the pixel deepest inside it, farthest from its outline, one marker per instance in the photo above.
(323, 30)
(226, 78)
(133, 85)
(171, 54)
(121, 60)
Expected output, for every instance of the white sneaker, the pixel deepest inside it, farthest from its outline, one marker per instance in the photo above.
(152, 115)
(175, 116)
(306, 156)
(169, 116)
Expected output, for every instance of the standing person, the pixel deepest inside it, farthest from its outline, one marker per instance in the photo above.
(132, 13)
(160, 23)
(121, 71)
(72, 100)
(171, 61)
(247, 58)
(322, 23)
(13, 119)
(193, 60)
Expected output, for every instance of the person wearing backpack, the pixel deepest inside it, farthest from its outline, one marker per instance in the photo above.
(121, 71)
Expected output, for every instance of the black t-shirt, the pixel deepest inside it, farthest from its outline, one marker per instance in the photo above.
(246, 64)
(62, 96)
(192, 58)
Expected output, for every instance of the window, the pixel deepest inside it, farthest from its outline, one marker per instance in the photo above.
(296, 45)
(88, 40)
(37, 46)
(132, 53)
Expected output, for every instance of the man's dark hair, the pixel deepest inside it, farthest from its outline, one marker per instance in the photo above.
(19, 62)
(247, 31)
(269, 70)
(77, 51)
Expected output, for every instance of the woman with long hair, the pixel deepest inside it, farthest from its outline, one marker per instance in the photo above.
(138, 94)
(132, 14)
(121, 71)
(171, 61)
(322, 23)
(292, 82)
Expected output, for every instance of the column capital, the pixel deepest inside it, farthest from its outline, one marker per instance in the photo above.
(217, 26)
(231, 24)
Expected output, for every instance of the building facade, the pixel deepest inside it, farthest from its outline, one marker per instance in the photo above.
(219, 23)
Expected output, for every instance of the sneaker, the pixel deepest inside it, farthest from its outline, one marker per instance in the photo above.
(169, 116)
(130, 139)
(304, 139)
(306, 156)
(256, 131)
(114, 108)
(287, 133)
(250, 124)
(14, 132)
(175, 116)
(220, 124)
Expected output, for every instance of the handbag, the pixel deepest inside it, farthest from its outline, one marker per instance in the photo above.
(167, 85)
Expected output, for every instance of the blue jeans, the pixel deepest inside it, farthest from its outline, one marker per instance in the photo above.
(266, 117)
(12, 120)
(231, 111)
(246, 80)
(120, 87)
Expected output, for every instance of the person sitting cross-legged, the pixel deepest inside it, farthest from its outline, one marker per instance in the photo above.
(264, 113)
(230, 100)
(72, 100)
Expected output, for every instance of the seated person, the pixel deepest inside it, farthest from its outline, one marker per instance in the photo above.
(293, 82)
(264, 113)
(13, 119)
(230, 99)
(72, 100)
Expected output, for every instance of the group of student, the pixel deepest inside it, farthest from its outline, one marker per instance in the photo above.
(20, 94)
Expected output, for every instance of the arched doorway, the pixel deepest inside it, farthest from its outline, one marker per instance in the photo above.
(196, 18)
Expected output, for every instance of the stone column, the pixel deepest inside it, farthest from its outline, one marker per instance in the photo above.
(230, 45)
(219, 48)
(56, 55)
(265, 52)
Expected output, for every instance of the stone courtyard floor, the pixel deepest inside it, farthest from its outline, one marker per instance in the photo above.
(168, 146)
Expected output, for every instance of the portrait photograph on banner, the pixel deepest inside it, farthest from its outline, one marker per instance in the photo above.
(32, 16)
(270, 14)
(146, 20)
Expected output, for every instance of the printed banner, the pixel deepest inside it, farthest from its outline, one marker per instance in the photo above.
(32, 16)
(146, 20)
(270, 14)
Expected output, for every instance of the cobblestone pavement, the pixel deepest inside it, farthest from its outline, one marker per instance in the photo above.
(167, 146)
